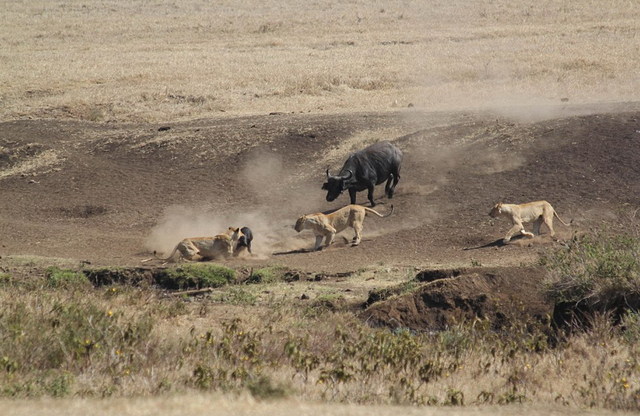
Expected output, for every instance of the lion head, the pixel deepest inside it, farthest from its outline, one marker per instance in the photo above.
(496, 210)
(300, 223)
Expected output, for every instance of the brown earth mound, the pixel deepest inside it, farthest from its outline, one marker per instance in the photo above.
(497, 295)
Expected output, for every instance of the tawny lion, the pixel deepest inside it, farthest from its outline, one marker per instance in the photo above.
(327, 225)
(539, 212)
(206, 248)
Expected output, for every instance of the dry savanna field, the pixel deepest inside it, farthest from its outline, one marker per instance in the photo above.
(128, 126)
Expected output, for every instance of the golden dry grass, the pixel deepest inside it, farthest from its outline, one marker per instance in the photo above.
(155, 61)
(122, 344)
(227, 406)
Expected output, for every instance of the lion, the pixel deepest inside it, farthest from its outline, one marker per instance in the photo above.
(206, 248)
(327, 225)
(539, 212)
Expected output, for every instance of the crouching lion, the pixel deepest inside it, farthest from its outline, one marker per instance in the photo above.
(206, 248)
(539, 212)
(327, 225)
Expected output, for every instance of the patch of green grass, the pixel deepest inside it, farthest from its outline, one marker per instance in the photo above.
(196, 276)
(379, 295)
(271, 274)
(65, 278)
(5, 279)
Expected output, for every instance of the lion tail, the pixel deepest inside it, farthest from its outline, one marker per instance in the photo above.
(377, 213)
(560, 219)
(173, 253)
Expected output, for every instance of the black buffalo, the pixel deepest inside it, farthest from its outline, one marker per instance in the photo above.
(365, 169)
(244, 241)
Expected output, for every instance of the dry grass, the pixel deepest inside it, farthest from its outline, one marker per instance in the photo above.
(78, 341)
(151, 61)
(246, 406)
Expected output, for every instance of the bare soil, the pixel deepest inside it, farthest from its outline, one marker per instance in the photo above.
(109, 194)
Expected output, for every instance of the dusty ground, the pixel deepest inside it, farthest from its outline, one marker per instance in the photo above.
(108, 195)
(112, 194)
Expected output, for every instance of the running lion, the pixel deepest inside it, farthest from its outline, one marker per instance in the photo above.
(539, 212)
(328, 225)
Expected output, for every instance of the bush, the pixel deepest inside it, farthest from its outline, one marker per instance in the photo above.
(596, 269)
(65, 278)
(267, 275)
(264, 388)
(196, 276)
(5, 279)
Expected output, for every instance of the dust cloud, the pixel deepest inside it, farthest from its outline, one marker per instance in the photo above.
(179, 222)
(279, 198)
(262, 173)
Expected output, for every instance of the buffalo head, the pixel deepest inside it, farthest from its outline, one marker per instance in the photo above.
(335, 185)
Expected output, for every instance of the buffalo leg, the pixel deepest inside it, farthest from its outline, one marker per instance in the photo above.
(352, 195)
(392, 189)
(387, 188)
(370, 195)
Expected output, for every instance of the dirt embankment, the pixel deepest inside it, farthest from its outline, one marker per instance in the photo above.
(499, 295)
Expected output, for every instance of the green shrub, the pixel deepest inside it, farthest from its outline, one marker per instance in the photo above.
(597, 268)
(196, 276)
(60, 384)
(65, 278)
(267, 275)
(5, 279)
(264, 388)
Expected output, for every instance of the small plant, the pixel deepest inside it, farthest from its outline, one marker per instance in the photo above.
(203, 377)
(302, 360)
(454, 397)
(512, 396)
(267, 275)
(66, 278)
(263, 388)
(60, 385)
(5, 279)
